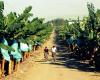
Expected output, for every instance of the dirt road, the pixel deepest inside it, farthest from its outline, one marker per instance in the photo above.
(39, 70)
(45, 71)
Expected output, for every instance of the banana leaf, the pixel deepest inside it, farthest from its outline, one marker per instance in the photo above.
(23, 40)
(91, 35)
(6, 47)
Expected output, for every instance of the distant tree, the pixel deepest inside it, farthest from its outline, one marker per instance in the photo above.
(1, 16)
(92, 22)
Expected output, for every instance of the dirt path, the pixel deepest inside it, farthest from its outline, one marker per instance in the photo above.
(53, 72)
(40, 70)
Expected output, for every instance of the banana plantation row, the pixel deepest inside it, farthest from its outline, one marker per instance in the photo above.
(82, 37)
(18, 36)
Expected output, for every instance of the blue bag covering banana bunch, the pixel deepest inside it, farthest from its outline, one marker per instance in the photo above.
(24, 47)
(17, 53)
(4, 52)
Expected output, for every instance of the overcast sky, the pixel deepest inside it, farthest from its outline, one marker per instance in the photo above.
(50, 9)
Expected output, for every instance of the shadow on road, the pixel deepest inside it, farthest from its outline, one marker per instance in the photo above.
(64, 59)
(72, 63)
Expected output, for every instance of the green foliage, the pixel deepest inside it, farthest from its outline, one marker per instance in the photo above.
(19, 27)
(88, 26)
(6, 47)
(92, 23)
(98, 16)
(1, 15)
(71, 27)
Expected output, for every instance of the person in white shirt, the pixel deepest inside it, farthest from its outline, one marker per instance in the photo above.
(54, 49)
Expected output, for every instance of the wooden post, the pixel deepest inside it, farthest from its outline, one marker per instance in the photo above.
(0, 72)
(16, 66)
(27, 55)
(2, 67)
(33, 48)
(24, 56)
(10, 67)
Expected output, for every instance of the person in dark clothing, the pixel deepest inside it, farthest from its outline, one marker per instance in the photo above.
(70, 43)
(46, 52)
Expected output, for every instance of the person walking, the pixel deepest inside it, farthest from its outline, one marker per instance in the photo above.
(46, 52)
(54, 49)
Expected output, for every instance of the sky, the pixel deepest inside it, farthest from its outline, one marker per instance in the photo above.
(50, 9)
